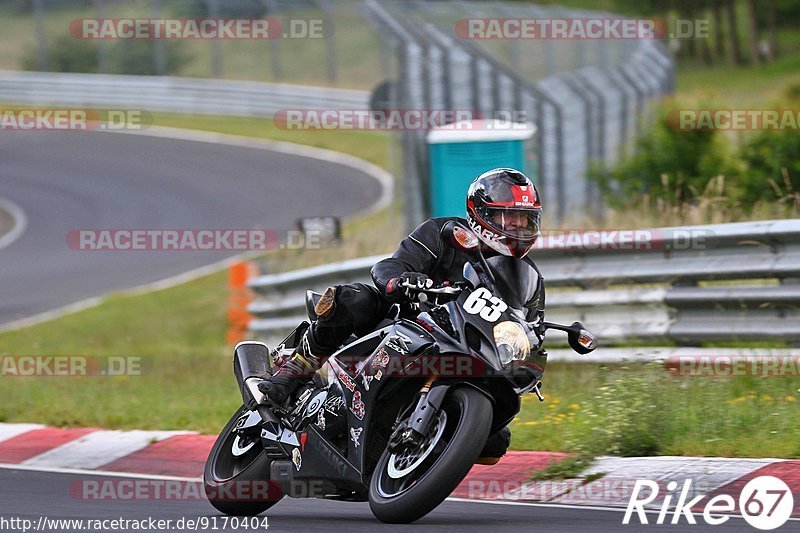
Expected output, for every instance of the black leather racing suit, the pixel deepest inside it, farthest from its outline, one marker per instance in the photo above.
(358, 307)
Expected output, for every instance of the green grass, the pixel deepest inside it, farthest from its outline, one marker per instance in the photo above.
(180, 335)
(748, 87)
(372, 146)
(303, 61)
(640, 409)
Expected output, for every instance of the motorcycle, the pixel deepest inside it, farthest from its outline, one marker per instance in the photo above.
(402, 427)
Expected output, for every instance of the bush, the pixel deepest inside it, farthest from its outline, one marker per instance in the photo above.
(68, 54)
(227, 9)
(624, 419)
(138, 57)
(772, 160)
(691, 176)
(669, 164)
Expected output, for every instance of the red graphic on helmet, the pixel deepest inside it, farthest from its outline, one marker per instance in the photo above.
(504, 210)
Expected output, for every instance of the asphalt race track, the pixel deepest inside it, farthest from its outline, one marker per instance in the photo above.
(72, 180)
(31, 495)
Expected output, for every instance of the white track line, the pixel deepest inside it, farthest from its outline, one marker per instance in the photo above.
(578, 507)
(140, 289)
(107, 473)
(20, 222)
(99, 448)
(380, 175)
(9, 431)
(84, 472)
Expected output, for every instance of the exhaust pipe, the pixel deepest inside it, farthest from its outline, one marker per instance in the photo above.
(251, 364)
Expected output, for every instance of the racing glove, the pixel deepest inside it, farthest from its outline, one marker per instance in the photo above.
(395, 290)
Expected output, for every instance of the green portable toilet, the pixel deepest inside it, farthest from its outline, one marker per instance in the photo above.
(459, 152)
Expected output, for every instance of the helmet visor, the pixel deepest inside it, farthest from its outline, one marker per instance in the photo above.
(521, 225)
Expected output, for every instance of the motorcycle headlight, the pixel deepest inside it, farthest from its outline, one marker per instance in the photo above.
(512, 342)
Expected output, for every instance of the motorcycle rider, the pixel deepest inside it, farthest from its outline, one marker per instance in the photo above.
(503, 210)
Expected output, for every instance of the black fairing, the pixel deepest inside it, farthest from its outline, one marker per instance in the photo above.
(344, 448)
(516, 280)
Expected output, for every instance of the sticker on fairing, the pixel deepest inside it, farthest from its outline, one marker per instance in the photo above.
(357, 407)
(487, 306)
(355, 435)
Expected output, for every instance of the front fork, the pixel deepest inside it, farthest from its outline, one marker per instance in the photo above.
(411, 433)
(432, 395)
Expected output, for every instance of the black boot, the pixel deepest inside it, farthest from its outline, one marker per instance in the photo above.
(298, 370)
(495, 447)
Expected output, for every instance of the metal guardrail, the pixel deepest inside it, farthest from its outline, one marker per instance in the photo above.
(156, 93)
(650, 293)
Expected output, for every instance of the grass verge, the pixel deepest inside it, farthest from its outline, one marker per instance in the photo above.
(641, 409)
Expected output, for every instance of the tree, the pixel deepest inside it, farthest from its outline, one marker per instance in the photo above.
(752, 26)
(734, 50)
(719, 34)
(772, 28)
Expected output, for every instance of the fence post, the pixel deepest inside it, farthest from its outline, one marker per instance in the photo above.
(159, 54)
(41, 43)
(216, 45)
(102, 48)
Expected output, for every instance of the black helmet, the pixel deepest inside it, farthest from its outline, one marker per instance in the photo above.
(504, 211)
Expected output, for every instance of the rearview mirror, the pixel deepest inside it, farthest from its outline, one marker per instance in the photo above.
(581, 339)
(460, 237)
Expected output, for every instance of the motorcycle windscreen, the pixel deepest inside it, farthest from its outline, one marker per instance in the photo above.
(516, 280)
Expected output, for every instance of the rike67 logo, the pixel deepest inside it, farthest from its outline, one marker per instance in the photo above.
(765, 503)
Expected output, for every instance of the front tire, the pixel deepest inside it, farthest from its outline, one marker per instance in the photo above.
(236, 475)
(405, 488)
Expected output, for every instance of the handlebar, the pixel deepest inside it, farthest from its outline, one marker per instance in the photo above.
(442, 290)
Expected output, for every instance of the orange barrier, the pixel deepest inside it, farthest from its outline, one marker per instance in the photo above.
(239, 298)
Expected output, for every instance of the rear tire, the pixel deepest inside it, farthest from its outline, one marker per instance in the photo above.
(467, 420)
(239, 485)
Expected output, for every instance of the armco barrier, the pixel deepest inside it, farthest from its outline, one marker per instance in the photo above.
(655, 292)
(171, 94)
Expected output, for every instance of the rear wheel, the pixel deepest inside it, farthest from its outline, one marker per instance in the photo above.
(408, 485)
(236, 476)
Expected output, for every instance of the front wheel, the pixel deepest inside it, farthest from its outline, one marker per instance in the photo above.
(408, 485)
(236, 476)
